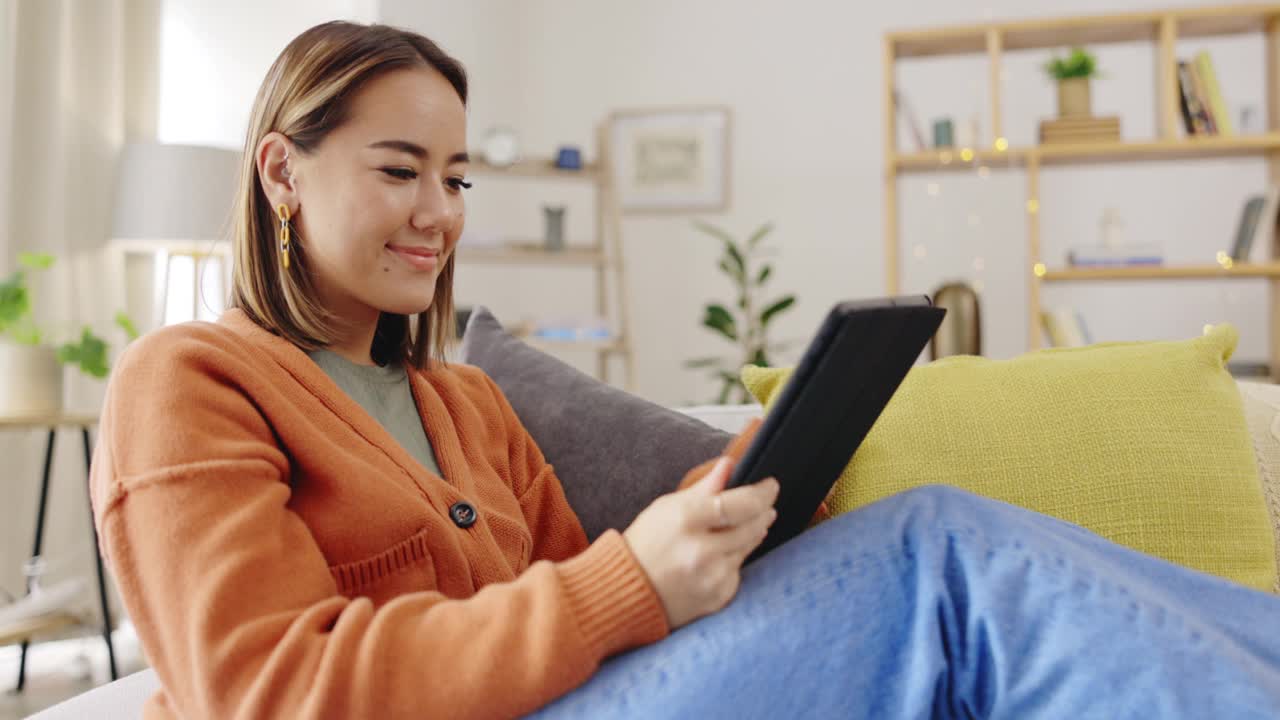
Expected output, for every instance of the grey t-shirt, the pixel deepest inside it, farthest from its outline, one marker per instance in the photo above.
(385, 394)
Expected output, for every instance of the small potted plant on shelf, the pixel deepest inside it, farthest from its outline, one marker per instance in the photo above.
(1073, 74)
(747, 327)
(30, 364)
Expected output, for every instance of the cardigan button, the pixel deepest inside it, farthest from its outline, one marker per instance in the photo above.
(463, 514)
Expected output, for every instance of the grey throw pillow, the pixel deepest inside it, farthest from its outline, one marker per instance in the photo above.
(613, 451)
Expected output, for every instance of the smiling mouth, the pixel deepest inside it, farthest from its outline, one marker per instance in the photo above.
(418, 258)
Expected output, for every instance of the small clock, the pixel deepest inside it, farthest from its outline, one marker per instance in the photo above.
(500, 147)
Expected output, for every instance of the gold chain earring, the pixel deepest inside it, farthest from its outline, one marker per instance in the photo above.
(282, 212)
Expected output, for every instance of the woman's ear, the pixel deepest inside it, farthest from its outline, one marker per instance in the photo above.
(273, 159)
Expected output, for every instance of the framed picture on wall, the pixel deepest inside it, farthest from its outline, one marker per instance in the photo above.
(671, 160)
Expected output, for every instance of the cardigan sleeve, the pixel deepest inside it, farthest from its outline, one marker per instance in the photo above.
(234, 602)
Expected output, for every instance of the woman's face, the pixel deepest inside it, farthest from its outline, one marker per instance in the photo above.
(379, 201)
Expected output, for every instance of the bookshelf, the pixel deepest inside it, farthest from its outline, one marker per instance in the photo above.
(1177, 272)
(541, 168)
(1161, 28)
(1086, 153)
(603, 257)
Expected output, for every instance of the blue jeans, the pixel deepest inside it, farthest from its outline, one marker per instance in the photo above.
(938, 603)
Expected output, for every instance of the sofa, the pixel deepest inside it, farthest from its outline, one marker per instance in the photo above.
(123, 699)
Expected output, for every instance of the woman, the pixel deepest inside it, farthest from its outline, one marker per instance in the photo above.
(310, 514)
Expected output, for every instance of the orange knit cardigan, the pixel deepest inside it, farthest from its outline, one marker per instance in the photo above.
(281, 555)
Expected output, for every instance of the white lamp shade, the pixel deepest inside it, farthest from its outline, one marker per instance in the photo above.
(174, 193)
(170, 253)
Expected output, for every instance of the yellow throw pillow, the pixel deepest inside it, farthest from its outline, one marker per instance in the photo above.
(1144, 443)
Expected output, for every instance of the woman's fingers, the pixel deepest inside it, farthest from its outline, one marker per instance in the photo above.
(739, 541)
(713, 482)
(734, 507)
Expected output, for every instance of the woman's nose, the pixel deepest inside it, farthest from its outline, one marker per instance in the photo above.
(434, 212)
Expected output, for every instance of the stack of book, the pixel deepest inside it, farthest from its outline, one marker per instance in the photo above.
(1080, 130)
(1203, 110)
(1120, 255)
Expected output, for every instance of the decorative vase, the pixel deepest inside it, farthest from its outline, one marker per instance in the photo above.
(1073, 98)
(553, 237)
(30, 380)
(943, 133)
(961, 329)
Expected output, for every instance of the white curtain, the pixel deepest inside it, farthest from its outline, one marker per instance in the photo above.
(77, 78)
(80, 79)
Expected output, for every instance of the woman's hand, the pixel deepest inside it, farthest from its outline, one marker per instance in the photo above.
(692, 543)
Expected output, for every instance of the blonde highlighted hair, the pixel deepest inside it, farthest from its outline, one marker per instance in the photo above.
(307, 95)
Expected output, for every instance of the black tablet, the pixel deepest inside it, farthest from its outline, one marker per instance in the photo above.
(844, 380)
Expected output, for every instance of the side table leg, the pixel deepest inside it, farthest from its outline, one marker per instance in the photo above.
(97, 556)
(35, 551)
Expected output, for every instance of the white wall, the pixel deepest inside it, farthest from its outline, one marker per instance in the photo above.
(803, 80)
(215, 54)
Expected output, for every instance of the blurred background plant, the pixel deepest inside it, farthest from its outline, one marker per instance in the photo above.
(88, 352)
(746, 326)
(1079, 63)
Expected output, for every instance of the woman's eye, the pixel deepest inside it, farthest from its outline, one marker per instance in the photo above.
(458, 183)
(400, 173)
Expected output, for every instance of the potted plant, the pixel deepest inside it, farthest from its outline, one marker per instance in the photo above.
(746, 326)
(30, 365)
(1073, 73)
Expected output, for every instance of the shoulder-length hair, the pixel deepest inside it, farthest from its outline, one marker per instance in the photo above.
(306, 95)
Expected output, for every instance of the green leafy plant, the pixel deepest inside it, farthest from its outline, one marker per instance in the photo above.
(15, 300)
(1080, 63)
(89, 352)
(746, 326)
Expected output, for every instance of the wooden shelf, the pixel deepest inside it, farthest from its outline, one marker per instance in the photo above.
(1161, 31)
(603, 256)
(535, 168)
(954, 159)
(43, 422)
(1085, 30)
(606, 345)
(1164, 272)
(1159, 149)
(42, 625)
(1228, 20)
(1065, 154)
(529, 255)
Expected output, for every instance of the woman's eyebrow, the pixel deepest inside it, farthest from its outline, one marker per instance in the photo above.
(417, 150)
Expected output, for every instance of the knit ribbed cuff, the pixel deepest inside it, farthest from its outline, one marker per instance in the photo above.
(612, 598)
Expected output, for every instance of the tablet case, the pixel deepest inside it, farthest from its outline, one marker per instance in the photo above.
(856, 362)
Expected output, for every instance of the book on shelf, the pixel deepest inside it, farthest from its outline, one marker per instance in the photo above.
(1255, 231)
(1080, 130)
(1065, 327)
(1202, 97)
(1124, 255)
(1194, 119)
(1204, 112)
(1213, 94)
(566, 329)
